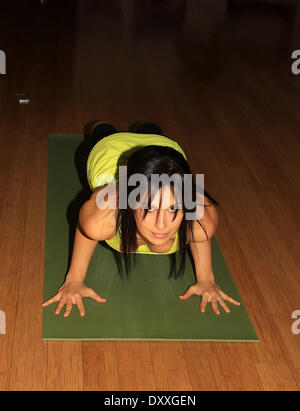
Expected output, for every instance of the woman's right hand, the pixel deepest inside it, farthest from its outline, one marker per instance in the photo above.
(71, 293)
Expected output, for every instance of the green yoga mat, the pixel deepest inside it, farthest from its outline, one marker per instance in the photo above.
(145, 306)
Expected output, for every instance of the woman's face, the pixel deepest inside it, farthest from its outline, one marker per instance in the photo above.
(161, 223)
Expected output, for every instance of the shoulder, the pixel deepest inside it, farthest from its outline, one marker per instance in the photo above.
(206, 226)
(105, 197)
(97, 217)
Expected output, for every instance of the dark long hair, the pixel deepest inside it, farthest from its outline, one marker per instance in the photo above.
(148, 161)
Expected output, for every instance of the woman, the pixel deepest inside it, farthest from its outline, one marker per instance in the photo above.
(154, 221)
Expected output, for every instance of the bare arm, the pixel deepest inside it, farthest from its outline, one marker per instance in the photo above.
(73, 289)
(200, 244)
(93, 225)
(83, 250)
(201, 251)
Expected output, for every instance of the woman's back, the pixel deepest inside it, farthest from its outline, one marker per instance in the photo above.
(115, 150)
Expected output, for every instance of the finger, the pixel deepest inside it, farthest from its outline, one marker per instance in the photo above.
(215, 307)
(68, 309)
(222, 304)
(96, 297)
(80, 306)
(187, 294)
(227, 298)
(52, 300)
(60, 305)
(203, 303)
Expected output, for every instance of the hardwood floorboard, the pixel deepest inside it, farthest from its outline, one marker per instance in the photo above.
(100, 366)
(216, 76)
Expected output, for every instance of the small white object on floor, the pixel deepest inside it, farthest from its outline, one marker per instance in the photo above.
(23, 99)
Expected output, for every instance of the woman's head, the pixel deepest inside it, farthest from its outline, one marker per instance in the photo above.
(159, 222)
(158, 215)
(155, 209)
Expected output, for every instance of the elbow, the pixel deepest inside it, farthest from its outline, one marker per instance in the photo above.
(83, 231)
(84, 224)
(82, 219)
(211, 223)
(211, 231)
(91, 233)
(206, 227)
(208, 232)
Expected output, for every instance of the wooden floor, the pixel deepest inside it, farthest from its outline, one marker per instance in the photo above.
(216, 75)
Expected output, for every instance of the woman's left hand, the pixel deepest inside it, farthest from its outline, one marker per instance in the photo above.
(209, 291)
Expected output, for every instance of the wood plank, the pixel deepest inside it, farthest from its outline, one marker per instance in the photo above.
(29, 351)
(234, 110)
(268, 353)
(135, 366)
(11, 251)
(64, 366)
(100, 366)
(205, 370)
(8, 304)
(238, 367)
(276, 376)
(170, 366)
(289, 342)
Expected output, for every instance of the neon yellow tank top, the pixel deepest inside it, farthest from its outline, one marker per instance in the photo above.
(142, 249)
(111, 152)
